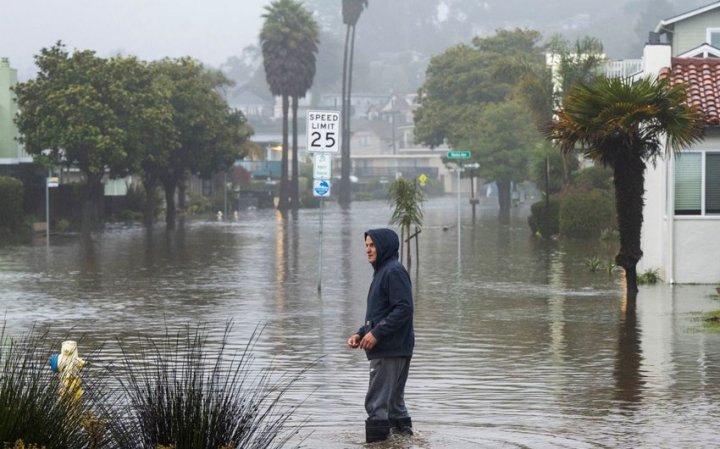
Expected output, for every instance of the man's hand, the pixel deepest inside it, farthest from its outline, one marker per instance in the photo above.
(368, 341)
(354, 341)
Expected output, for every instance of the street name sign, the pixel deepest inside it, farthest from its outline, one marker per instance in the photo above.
(458, 155)
(322, 166)
(323, 131)
(53, 181)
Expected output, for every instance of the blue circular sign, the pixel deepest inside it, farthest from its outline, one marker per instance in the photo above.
(322, 188)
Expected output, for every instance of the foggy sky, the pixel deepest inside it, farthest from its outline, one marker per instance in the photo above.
(209, 30)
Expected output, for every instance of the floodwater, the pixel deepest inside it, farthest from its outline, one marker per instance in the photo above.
(518, 345)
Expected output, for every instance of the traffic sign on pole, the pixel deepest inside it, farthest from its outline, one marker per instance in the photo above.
(321, 188)
(458, 155)
(323, 131)
(322, 166)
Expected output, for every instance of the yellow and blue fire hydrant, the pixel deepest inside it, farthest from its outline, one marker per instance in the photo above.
(68, 365)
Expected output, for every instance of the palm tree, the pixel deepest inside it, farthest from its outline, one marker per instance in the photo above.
(621, 124)
(351, 11)
(407, 199)
(304, 60)
(542, 86)
(289, 42)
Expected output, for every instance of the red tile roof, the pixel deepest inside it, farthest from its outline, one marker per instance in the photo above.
(702, 78)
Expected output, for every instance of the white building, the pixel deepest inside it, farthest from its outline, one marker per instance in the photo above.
(681, 228)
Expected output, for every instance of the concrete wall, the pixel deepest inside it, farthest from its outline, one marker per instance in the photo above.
(696, 249)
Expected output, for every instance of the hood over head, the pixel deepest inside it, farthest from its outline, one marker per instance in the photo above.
(387, 244)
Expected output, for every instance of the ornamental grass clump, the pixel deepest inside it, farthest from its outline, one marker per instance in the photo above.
(33, 413)
(190, 392)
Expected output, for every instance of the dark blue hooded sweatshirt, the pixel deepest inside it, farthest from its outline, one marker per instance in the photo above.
(389, 312)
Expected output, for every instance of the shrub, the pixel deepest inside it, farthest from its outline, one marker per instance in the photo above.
(649, 277)
(544, 221)
(185, 393)
(586, 214)
(11, 204)
(594, 178)
(308, 200)
(32, 413)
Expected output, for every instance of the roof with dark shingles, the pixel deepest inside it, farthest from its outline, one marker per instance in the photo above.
(702, 78)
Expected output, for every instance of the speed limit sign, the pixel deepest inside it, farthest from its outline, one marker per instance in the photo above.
(323, 131)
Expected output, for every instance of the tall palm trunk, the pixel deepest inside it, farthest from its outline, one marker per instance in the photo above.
(345, 191)
(629, 180)
(294, 191)
(283, 200)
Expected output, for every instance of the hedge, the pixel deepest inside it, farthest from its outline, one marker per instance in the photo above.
(11, 204)
(585, 214)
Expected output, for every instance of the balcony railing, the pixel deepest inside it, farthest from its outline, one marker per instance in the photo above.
(623, 68)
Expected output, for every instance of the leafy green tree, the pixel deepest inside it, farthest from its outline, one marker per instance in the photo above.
(150, 128)
(542, 86)
(461, 79)
(76, 108)
(622, 125)
(210, 136)
(351, 11)
(288, 40)
(502, 141)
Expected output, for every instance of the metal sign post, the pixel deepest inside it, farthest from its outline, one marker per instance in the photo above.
(458, 155)
(51, 181)
(321, 189)
(459, 228)
(323, 139)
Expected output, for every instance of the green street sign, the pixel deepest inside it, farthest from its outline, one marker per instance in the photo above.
(458, 155)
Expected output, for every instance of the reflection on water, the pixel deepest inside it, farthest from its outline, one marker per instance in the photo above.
(521, 347)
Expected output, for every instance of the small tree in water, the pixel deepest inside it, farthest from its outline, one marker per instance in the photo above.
(407, 199)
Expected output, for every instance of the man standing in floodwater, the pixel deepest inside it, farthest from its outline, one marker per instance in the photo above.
(387, 337)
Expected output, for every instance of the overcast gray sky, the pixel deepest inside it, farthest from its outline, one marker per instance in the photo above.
(209, 30)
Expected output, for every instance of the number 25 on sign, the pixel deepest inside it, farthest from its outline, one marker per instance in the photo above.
(323, 131)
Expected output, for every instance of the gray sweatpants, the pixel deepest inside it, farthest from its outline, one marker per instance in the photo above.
(385, 399)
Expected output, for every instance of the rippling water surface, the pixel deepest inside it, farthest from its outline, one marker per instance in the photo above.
(518, 345)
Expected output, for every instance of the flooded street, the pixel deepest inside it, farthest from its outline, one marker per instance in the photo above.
(518, 346)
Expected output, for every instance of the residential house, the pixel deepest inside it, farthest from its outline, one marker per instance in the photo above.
(11, 152)
(682, 199)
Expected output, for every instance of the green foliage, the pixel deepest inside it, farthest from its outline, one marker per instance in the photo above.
(624, 125)
(593, 264)
(186, 391)
(542, 156)
(201, 204)
(289, 43)
(711, 320)
(11, 210)
(544, 220)
(595, 177)
(586, 214)
(649, 277)
(308, 200)
(461, 80)
(406, 197)
(31, 409)
(501, 141)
